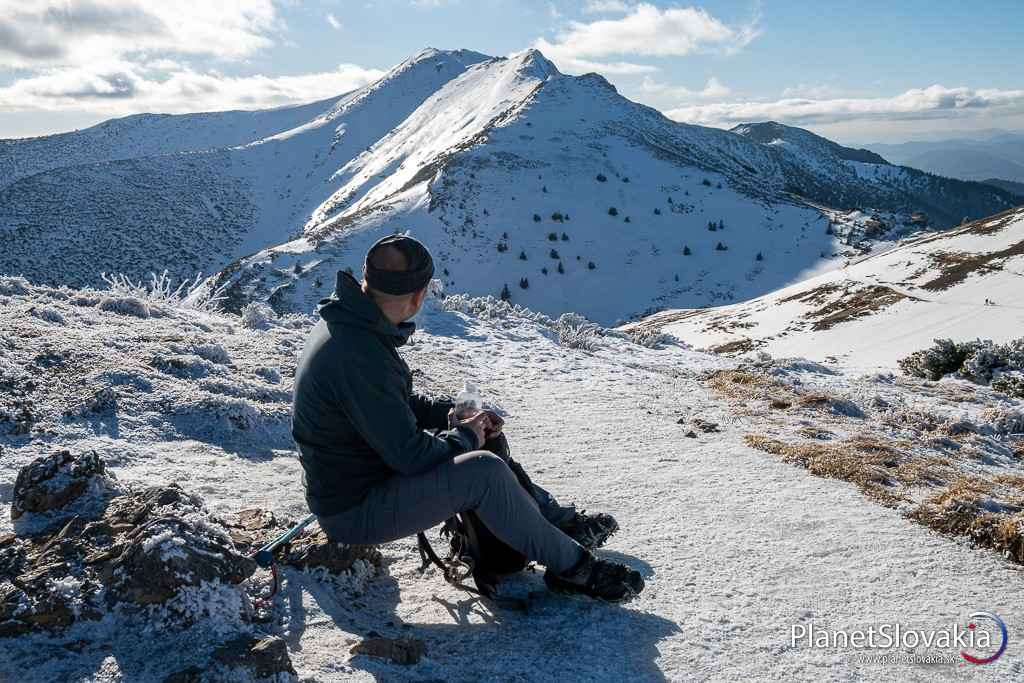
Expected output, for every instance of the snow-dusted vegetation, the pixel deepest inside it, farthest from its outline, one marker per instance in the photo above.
(707, 496)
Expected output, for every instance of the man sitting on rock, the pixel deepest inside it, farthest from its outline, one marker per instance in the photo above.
(372, 472)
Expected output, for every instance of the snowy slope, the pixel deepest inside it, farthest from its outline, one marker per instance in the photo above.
(736, 547)
(513, 153)
(879, 308)
(144, 135)
(462, 149)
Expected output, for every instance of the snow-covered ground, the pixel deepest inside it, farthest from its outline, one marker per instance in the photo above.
(879, 308)
(736, 546)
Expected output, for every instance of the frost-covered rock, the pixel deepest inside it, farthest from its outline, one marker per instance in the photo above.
(155, 547)
(53, 481)
(163, 556)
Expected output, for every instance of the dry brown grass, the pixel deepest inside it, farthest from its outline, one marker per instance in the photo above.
(736, 346)
(744, 385)
(854, 305)
(963, 516)
(861, 461)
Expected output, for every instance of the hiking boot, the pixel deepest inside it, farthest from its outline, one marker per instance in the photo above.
(590, 531)
(598, 579)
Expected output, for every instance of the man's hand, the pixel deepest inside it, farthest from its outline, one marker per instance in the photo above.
(480, 423)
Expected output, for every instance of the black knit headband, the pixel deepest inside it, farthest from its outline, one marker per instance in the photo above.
(415, 278)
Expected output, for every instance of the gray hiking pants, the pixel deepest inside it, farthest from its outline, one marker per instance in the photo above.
(478, 481)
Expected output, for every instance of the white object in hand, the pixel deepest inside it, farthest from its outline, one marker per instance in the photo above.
(468, 401)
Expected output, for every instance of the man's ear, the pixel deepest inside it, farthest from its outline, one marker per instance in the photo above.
(419, 296)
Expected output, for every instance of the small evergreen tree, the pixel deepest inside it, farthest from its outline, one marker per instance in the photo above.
(536, 218)
(504, 235)
(557, 216)
(627, 219)
(544, 189)
(721, 247)
(505, 294)
(590, 265)
(711, 226)
(554, 254)
(759, 257)
(657, 211)
(706, 182)
(565, 238)
(522, 256)
(552, 237)
(625, 178)
(601, 177)
(686, 251)
(612, 211)
(561, 269)
(677, 278)
(524, 283)
(544, 270)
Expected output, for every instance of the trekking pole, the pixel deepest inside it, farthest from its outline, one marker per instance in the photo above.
(265, 556)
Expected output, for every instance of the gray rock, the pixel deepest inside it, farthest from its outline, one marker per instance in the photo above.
(404, 651)
(264, 657)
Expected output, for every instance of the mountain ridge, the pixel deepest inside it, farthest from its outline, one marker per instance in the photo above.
(450, 144)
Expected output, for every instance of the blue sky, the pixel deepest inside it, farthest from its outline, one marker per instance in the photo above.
(854, 71)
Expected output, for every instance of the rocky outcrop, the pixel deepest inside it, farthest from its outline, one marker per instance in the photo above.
(138, 547)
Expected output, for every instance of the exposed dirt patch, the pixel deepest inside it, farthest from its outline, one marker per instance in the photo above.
(859, 304)
(956, 266)
(733, 347)
(818, 295)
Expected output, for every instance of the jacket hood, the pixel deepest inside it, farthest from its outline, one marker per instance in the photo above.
(349, 305)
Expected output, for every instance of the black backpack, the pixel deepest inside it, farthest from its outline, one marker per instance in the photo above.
(476, 552)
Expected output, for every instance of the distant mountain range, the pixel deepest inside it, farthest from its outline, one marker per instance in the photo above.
(1000, 157)
(552, 186)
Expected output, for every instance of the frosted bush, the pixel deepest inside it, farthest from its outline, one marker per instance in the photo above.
(12, 286)
(1010, 383)
(583, 337)
(1005, 421)
(257, 316)
(942, 359)
(49, 314)
(985, 362)
(649, 337)
(982, 360)
(125, 305)
(191, 294)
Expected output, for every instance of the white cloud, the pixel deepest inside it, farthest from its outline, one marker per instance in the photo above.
(648, 31)
(934, 102)
(819, 91)
(605, 7)
(713, 88)
(119, 88)
(78, 32)
(333, 21)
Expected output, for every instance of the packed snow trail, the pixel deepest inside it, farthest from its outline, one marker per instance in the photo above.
(735, 546)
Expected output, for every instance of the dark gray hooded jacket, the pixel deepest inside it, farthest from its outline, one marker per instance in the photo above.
(355, 418)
